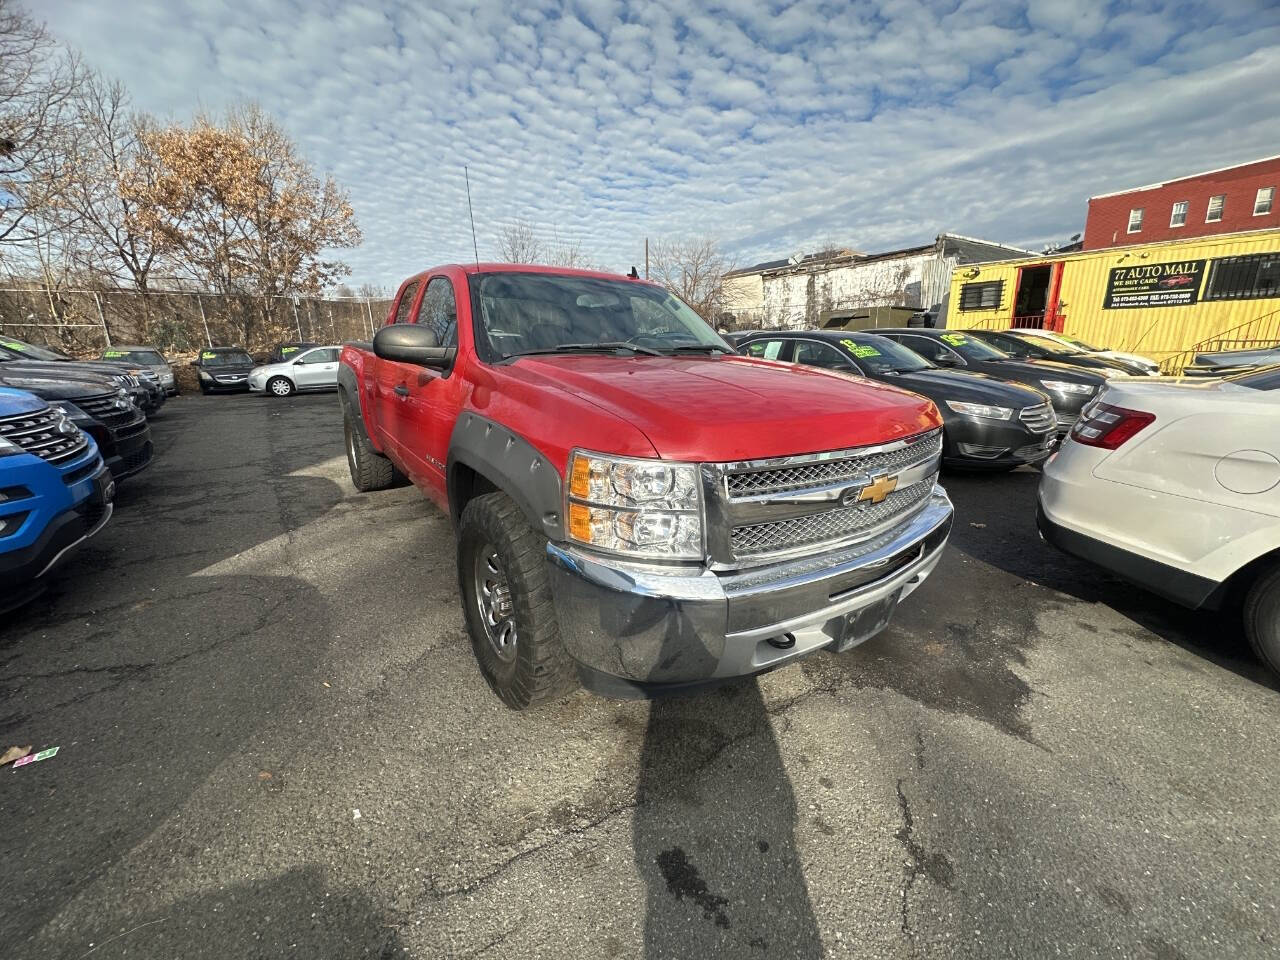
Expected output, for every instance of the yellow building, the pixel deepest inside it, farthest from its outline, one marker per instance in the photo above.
(1165, 300)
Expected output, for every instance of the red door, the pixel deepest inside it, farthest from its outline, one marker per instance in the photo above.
(390, 380)
(430, 408)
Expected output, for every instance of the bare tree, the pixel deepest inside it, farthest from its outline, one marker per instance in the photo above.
(694, 270)
(37, 82)
(115, 238)
(517, 243)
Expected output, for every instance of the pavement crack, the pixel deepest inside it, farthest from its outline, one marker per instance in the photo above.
(936, 866)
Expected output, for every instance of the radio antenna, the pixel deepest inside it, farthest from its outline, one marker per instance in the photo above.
(471, 214)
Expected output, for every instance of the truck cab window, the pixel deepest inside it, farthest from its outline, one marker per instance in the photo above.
(406, 302)
(439, 311)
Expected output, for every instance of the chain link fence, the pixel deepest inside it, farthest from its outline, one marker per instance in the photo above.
(179, 322)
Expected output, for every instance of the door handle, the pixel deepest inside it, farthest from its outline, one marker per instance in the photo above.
(401, 390)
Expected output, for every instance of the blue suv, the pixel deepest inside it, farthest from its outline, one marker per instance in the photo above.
(55, 493)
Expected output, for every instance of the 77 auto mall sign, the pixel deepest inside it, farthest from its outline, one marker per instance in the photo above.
(1154, 285)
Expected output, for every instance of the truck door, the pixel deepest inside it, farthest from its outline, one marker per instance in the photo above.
(435, 396)
(390, 379)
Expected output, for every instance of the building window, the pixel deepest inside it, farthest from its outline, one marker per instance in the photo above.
(981, 296)
(1178, 218)
(1262, 202)
(1135, 220)
(1216, 204)
(1250, 277)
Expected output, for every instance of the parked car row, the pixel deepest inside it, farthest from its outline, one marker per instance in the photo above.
(295, 367)
(70, 432)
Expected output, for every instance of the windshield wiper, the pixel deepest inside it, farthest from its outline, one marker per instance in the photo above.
(697, 348)
(606, 347)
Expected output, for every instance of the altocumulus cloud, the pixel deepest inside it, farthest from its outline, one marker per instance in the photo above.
(768, 125)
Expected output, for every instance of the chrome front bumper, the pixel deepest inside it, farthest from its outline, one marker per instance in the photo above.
(647, 626)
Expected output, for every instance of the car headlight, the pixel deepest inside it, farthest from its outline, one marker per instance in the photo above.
(205, 376)
(1062, 386)
(69, 408)
(642, 508)
(983, 410)
(8, 448)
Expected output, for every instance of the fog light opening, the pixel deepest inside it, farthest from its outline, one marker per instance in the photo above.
(784, 642)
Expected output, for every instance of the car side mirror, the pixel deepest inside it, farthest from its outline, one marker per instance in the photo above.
(412, 343)
(946, 361)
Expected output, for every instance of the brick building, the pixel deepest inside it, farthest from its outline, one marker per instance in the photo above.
(1229, 200)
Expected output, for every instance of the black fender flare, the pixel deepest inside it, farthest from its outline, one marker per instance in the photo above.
(513, 465)
(352, 405)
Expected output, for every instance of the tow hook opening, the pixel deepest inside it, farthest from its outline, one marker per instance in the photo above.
(784, 642)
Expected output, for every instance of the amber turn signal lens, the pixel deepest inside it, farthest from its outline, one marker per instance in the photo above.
(580, 476)
(580, 520)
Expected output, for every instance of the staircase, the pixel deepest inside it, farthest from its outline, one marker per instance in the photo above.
(1263, 331)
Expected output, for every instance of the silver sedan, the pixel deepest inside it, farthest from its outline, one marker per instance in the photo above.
(315, 369)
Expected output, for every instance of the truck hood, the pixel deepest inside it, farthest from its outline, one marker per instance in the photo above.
(725, 408)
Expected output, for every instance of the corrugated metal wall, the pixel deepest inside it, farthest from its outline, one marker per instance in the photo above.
(1160, 332)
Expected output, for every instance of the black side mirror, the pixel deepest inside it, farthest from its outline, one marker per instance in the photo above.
(412, 343)
(946, 360)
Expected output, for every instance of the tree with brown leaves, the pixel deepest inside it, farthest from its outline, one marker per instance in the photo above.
(242, 211)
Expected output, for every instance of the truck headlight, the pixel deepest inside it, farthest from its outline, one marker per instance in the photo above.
(983, 410)
(642, 508)
(1062, 386)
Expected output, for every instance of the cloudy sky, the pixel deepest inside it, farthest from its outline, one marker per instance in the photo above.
(771, 126)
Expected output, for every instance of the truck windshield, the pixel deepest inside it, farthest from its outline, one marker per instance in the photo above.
(526, 313)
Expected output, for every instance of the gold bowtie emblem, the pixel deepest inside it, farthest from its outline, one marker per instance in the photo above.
(877, 490)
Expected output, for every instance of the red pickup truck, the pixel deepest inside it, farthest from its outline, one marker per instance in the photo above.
(637, 507)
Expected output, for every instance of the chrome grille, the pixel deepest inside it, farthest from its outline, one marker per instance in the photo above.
(770, 537)
(826, 472)
(38, 433)
(1039, 419)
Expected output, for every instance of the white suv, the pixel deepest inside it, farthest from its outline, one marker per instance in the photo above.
(1176, 486)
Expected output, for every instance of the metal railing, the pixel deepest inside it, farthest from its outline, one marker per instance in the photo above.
(1262, 331)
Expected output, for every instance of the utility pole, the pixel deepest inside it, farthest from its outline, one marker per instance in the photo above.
(296, 322)
(646, 258)
(102, 318)
(200, 303)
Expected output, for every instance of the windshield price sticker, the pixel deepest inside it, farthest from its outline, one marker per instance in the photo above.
(13, 346)
(208, 355)
(955, 339)
(860, 349)
(112, 354)
(290, 349)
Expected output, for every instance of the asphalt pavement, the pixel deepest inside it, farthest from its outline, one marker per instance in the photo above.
(274, 743)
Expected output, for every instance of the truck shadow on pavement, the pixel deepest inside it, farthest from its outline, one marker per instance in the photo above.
(721, 866)
(996, 524)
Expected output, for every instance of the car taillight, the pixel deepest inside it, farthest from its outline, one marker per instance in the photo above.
(1107, 426)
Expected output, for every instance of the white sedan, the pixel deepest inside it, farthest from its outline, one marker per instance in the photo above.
(314, 369)
(1175, 485)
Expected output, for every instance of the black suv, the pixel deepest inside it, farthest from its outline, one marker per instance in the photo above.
(988, 424)
(98, 407)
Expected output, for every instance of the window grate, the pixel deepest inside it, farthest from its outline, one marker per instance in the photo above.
(1247, 277)
(982, 296)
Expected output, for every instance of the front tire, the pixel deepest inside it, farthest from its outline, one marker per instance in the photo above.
(1262, 618)
(506, 597)
(279, 386)
(370, 470)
